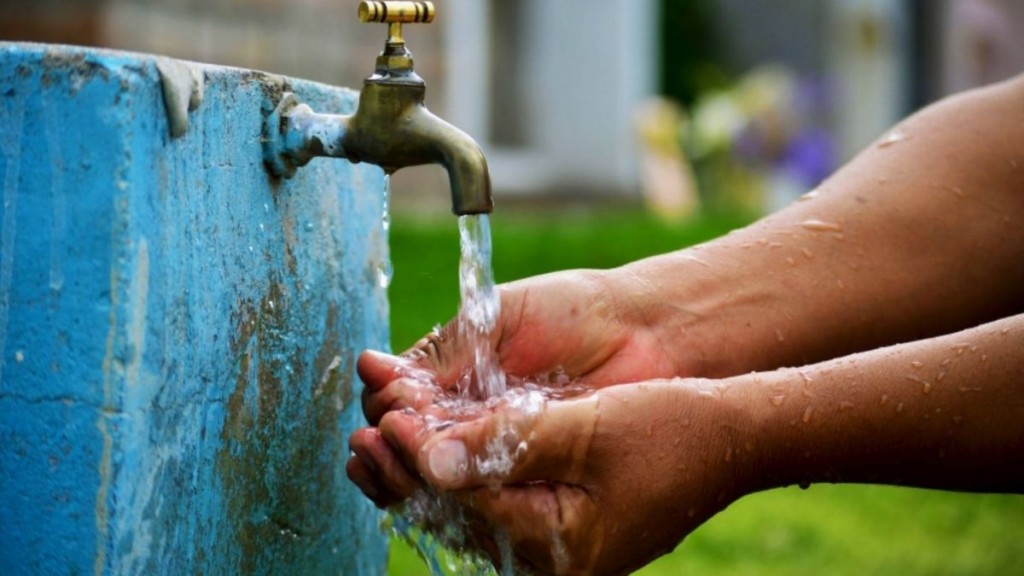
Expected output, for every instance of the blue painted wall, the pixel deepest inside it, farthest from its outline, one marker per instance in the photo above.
(178, 330)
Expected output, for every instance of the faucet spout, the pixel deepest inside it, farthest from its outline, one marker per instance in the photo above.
(439, 142)
(392, 128)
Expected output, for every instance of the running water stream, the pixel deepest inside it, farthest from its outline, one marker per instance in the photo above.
(480, 307)
(434, 523)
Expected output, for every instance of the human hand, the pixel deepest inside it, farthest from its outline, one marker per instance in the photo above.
(581, 324)
(597, 484)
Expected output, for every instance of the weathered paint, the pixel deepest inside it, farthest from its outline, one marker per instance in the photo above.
(177, 328)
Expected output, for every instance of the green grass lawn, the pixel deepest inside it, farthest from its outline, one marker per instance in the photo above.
(835, 530)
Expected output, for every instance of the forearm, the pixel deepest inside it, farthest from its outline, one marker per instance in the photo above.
(938, 413)
(916, 238)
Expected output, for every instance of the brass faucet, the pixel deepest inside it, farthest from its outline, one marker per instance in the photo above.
(391, 128)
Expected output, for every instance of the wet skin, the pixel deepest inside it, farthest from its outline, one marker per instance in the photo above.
(896, 288)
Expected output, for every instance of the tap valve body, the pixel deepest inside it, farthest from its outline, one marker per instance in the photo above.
(391, 128)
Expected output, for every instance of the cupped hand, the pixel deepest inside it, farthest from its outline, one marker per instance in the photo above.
(597, 484)
(584, 324)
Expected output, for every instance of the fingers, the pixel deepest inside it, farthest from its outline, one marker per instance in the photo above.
(377, 369)
(505, 447)
(377, 470)
(398, 395)
(439, 352)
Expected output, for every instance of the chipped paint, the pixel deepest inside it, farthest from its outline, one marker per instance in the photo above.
(178, 357)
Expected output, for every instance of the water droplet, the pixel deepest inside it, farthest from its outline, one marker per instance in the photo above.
(777, 400)
(693, 258)
(926, 386)
(309, 226)
(804, 484)
(384, 273)
(807, 414)
(19, 356)
(883, 399)
(1004, 331)
(262, 228)
(779, 335)
(807, 253)
(775, 245)
(957, 419)
(810, 195)
(791, 261)
(893, 137)
(840, 285)
(899, 407)
(916, 364)
(815, 225)
(845, 405)
(270, 304)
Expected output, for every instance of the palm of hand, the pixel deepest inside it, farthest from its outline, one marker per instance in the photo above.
(570, 322)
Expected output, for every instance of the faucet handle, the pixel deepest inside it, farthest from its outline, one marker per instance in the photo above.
(397, 12)
(395, 60)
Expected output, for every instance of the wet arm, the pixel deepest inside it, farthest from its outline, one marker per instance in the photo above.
(939, 413)
(921, 234)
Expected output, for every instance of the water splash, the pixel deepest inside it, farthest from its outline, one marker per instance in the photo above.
(433, 523)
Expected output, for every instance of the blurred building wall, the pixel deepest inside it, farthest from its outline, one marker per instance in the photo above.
(550, 88)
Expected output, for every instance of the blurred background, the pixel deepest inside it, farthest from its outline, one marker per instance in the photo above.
(683, 104)
(616, 129)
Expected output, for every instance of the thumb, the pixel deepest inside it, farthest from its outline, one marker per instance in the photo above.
(511, 445)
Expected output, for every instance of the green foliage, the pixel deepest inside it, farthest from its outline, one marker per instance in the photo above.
(690, 47)
(855, 531)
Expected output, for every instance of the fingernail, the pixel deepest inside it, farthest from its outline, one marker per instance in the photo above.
(448, 461)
